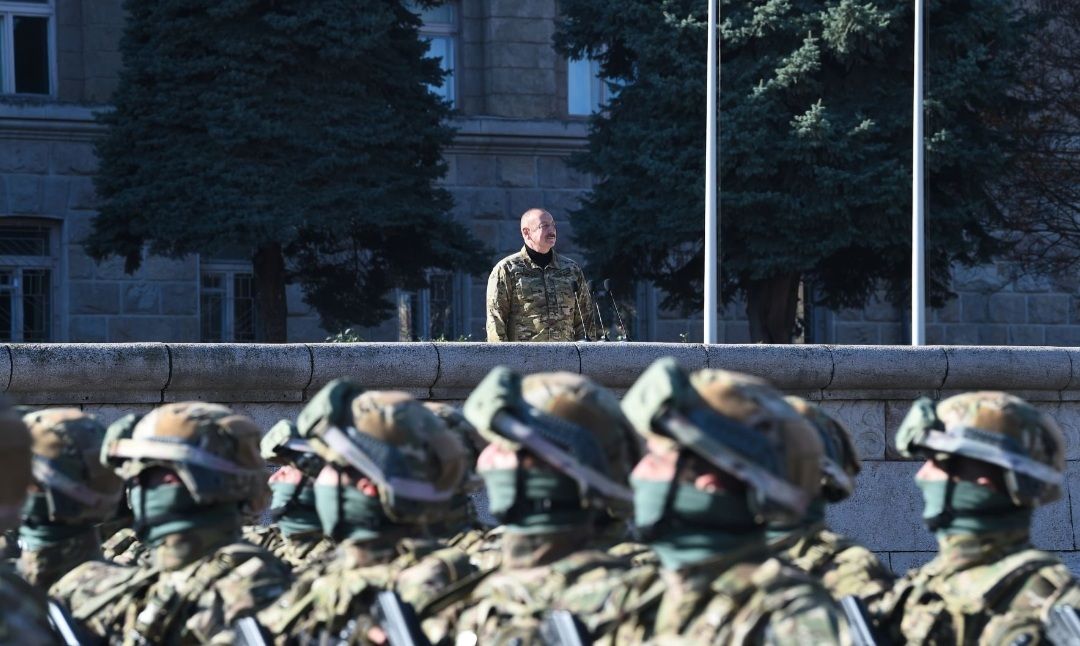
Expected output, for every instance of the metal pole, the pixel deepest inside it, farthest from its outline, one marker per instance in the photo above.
(712, 238)
(918, 278)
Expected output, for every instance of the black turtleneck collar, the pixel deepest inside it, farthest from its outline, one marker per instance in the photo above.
(541, 259)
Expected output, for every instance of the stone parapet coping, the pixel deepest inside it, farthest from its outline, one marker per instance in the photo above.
(156, 372)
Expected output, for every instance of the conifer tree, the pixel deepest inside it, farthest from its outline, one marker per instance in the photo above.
(815, 145)
(302, 133)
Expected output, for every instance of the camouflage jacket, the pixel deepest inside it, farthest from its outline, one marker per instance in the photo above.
(845, 567)
(125, 548)
(44, 567)
(743, 597)
(528, 303)
(294, 550)
(508, 605)
(993, 589)
(332, 597)
(196, 603)
(24, 620)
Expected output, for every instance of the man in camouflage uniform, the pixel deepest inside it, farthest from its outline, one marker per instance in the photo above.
(555, 471)
(724, 454)
(845, 567)
(537, 294)
(23, 618)
(194, 472)
(392, 468)
(119, 544)
(295, 535)
(991, 458)
(71, 493)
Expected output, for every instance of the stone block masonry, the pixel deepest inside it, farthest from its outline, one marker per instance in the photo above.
(869, 388)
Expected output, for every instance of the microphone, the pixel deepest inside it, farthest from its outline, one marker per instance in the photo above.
(615, 306)
(577, 302)
(603, 328)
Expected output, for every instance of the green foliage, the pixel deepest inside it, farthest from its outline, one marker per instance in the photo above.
(242, 123)
(348, 335)
(815, 140)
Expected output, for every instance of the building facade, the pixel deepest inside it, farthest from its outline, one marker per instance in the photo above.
(520, 110)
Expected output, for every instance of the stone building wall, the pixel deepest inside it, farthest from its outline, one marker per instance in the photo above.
(514, 138)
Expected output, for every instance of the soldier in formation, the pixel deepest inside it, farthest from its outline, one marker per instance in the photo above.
(71, 494)
(691, 512)
(991, 459)
(295, 534)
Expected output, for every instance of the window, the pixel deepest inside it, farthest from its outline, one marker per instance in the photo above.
(27, 46)
(27, 264)
(586, 91)
(437, 312)
(440, 30)
(227, 309)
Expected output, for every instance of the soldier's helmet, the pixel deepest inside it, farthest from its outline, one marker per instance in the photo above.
(212, 450)
(992, 427)
(282, 445)
(736, 423)
(840, 462)
(568, 422)
(455, 421)
(15, 475)
(77, 489)
(403, 448)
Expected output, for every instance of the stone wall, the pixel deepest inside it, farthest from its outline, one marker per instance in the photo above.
(869, 388)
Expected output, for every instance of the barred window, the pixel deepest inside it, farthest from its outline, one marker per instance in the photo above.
(438, 312)
(227, 308)
(27, 266)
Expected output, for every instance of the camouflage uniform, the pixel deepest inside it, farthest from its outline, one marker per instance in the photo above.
(557, 498)
(23, 618)
(125, 548)
(718, 582)
(987, 584)
(195, 471)
(391, 469)
(526, 302)
(72, 492)
(845, 567)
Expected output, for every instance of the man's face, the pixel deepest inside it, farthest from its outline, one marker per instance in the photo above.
(539, 232)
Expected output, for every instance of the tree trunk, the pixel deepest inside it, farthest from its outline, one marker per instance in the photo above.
(270, 294)
(770, 307)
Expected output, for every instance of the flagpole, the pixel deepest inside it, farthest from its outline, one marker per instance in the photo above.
(712, 238)
(918, 234)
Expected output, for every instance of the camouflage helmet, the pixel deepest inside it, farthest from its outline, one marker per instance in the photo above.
(736, 423)
(415, 462)
(840, 462)
(564, 419)
(455, 421)
(282, 445)
(214, 452)
(992, 427)
(66, 465)
(15, 475)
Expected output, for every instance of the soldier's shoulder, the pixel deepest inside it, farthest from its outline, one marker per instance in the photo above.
(1030, 576)
(568, 262)
(90, 581)
(794, 605)
(511, 261)
(250, 579)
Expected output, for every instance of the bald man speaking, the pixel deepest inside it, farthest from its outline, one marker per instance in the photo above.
(537, 294)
